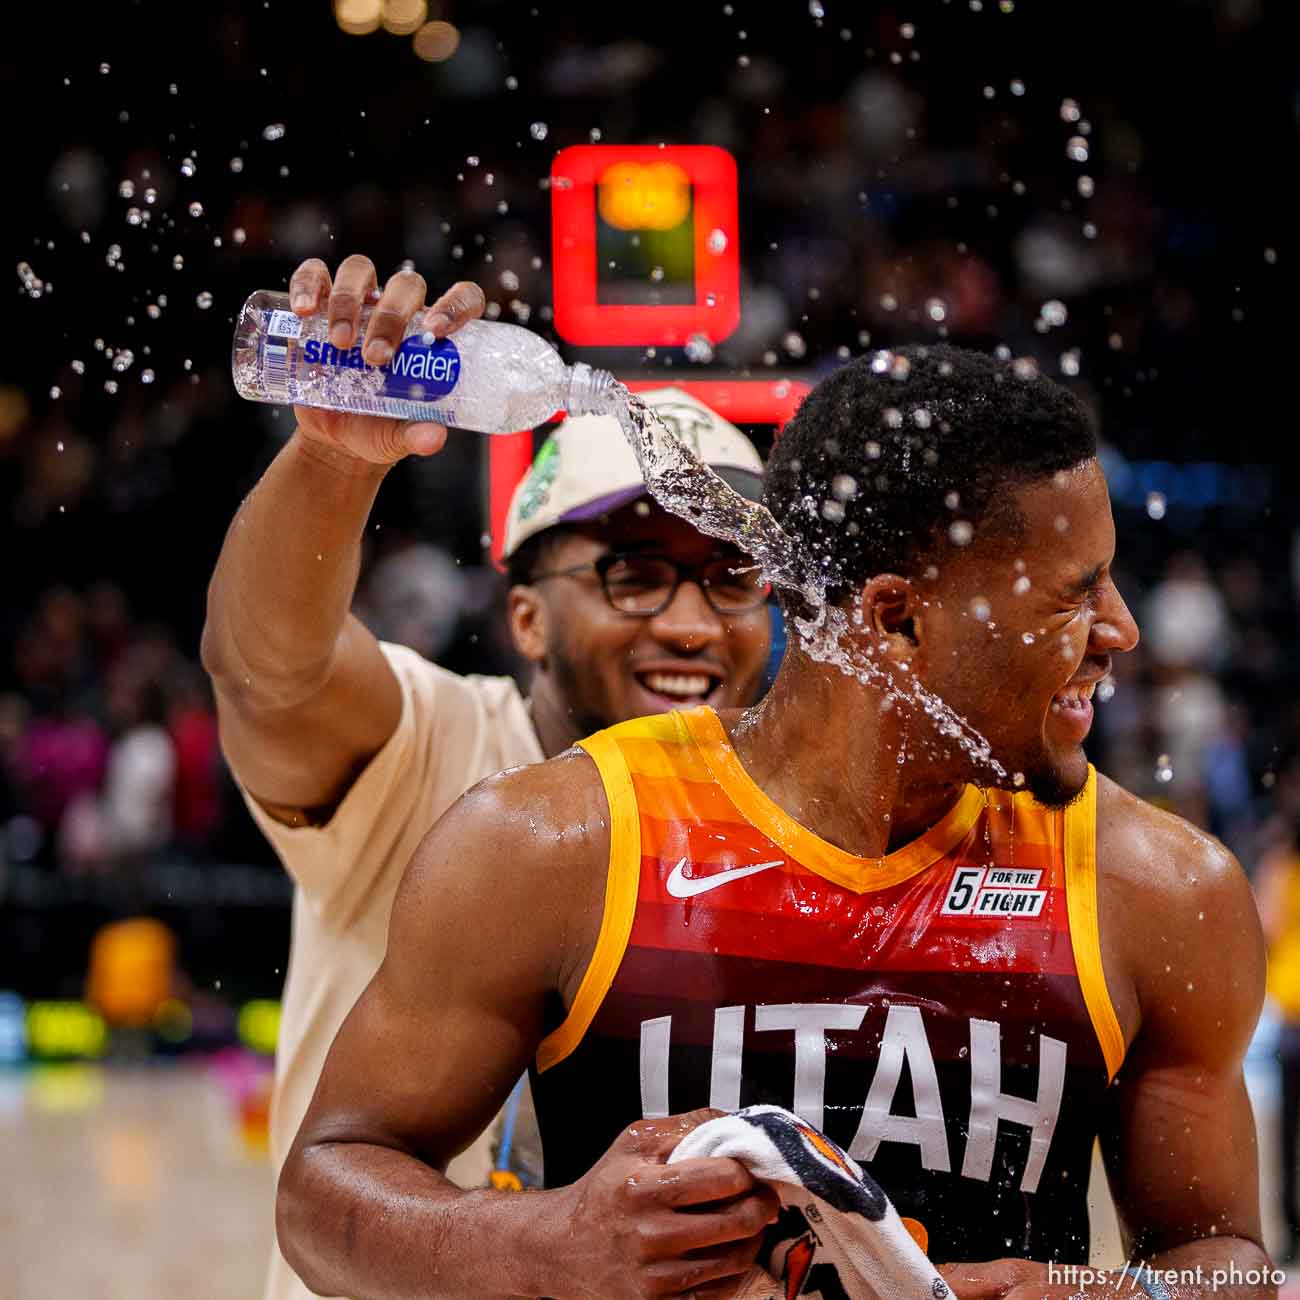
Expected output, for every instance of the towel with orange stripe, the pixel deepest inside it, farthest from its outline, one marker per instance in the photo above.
(838, 1235)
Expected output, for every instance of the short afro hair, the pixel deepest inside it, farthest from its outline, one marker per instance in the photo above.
(887, 454)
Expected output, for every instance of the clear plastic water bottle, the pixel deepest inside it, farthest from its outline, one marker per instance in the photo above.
(488, 376)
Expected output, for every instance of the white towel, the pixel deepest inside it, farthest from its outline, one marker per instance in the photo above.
(838, 1236)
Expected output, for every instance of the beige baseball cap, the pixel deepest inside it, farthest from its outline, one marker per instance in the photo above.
(586, 468)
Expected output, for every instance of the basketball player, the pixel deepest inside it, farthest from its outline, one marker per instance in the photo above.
(962, 973)
(349, 750)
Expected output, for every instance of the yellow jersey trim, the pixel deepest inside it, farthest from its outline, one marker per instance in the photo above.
(1085, 930)
(620, 901)
(861, 875)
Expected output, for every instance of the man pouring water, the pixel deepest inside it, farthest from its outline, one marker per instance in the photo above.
(347, 749)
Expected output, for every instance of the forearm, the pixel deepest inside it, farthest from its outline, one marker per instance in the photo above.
(1211, 1266)
(376, 1224)
(285, 579)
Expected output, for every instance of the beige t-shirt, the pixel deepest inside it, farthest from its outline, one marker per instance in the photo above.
(453, 732)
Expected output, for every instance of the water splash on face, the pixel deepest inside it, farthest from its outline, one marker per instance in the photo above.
(680, 482)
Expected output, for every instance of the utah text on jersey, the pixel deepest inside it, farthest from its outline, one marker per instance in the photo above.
(940, 1012)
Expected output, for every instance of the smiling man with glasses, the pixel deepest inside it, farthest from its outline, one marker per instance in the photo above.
(624, 608)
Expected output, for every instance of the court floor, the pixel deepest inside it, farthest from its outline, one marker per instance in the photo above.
(151, 1183)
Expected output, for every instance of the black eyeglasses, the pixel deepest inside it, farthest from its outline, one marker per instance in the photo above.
(645, 585)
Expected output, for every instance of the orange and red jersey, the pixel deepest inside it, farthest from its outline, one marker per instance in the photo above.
(940, 1012)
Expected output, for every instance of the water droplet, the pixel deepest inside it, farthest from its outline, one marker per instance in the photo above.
(717, 242)
(104, 69)
(907, 31)
(56, 392)
(151, 196)
(963, 1052)
(1017, 779)
(1076, 149)
(1024, 367)
(127, 189)
(981, 610)
(187, 167)
(1070, 110)
(1156, 505)
(1070, 362)
(656, 273)
(699, 349)
(1054, 312)
(793, 343)
(146, 376)
(539, 130)
(935, 309)
(961, 532)
(122, 361)
(844, 487)
(1086, 187)
(512, 83)
(275, 131)
(79, 367)
(1017, 86)
(196, 209)
(110, 386)
(888, 302)
(833, 512)
(817, 9)
(178, 262)
(1020, 586)
(204, 300)
(1164, 769)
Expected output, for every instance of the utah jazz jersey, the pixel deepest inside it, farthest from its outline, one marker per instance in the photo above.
(940, 1012)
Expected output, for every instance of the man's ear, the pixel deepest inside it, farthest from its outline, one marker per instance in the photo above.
(526, 614)
(891, 611)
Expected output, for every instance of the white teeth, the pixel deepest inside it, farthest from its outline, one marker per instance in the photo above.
(679, 684)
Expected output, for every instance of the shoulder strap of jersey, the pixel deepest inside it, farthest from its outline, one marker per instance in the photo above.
(1085, 930)
(621, 883)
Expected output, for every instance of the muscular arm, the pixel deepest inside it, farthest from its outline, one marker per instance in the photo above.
(1181, 1152)
(499, 909)
(304, 695)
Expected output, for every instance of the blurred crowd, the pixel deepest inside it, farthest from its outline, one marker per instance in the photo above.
(955, 171)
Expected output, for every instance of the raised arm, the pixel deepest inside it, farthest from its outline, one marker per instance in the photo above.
(304, 694)
(498, 913)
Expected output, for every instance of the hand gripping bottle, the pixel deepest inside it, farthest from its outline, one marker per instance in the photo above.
(487, 376)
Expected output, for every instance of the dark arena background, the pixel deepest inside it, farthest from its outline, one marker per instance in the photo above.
(1105, 191)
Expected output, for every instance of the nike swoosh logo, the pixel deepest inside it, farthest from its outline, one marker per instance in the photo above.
(680, 885)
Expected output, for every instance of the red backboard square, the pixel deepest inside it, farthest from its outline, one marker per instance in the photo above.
(579, 317)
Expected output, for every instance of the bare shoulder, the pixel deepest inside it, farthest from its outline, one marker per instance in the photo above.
(1154, 849)
(520, 861)
(1182, 918)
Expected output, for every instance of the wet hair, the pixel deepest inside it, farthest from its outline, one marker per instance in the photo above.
(887, 454)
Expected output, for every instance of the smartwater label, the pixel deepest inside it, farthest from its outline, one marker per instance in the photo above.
(419, 372)
(284, 325)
